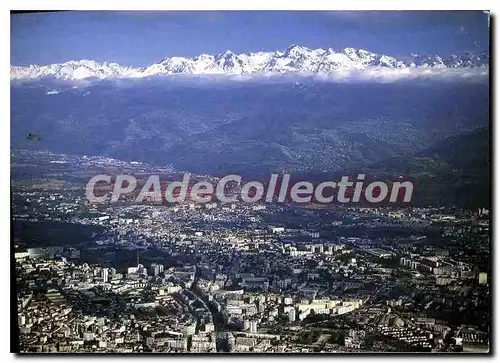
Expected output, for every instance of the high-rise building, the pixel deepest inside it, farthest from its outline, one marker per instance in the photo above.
(141, 270)
(253, 326)
(483, 278)
(104, 275)
(156, 269)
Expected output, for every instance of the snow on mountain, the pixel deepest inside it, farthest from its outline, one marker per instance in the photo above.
(295, 59)
(73, 70)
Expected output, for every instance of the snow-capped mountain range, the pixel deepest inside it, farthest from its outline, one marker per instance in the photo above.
(295, 59)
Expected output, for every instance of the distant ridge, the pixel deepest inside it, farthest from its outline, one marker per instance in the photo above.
(295, 59)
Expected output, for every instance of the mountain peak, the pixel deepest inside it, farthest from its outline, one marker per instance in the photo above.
(296, 49)
(295, 59)
(226, 53)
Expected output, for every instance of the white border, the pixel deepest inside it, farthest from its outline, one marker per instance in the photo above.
(252, 5)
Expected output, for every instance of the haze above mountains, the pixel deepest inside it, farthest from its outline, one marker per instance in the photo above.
(295, 59)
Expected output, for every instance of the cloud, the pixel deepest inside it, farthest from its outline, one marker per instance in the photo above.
(367, 75)
(373, 75)
(387, 75)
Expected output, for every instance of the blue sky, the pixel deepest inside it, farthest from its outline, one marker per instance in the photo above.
(142, 38)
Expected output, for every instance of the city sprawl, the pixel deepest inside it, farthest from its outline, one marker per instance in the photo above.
(240, 277)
